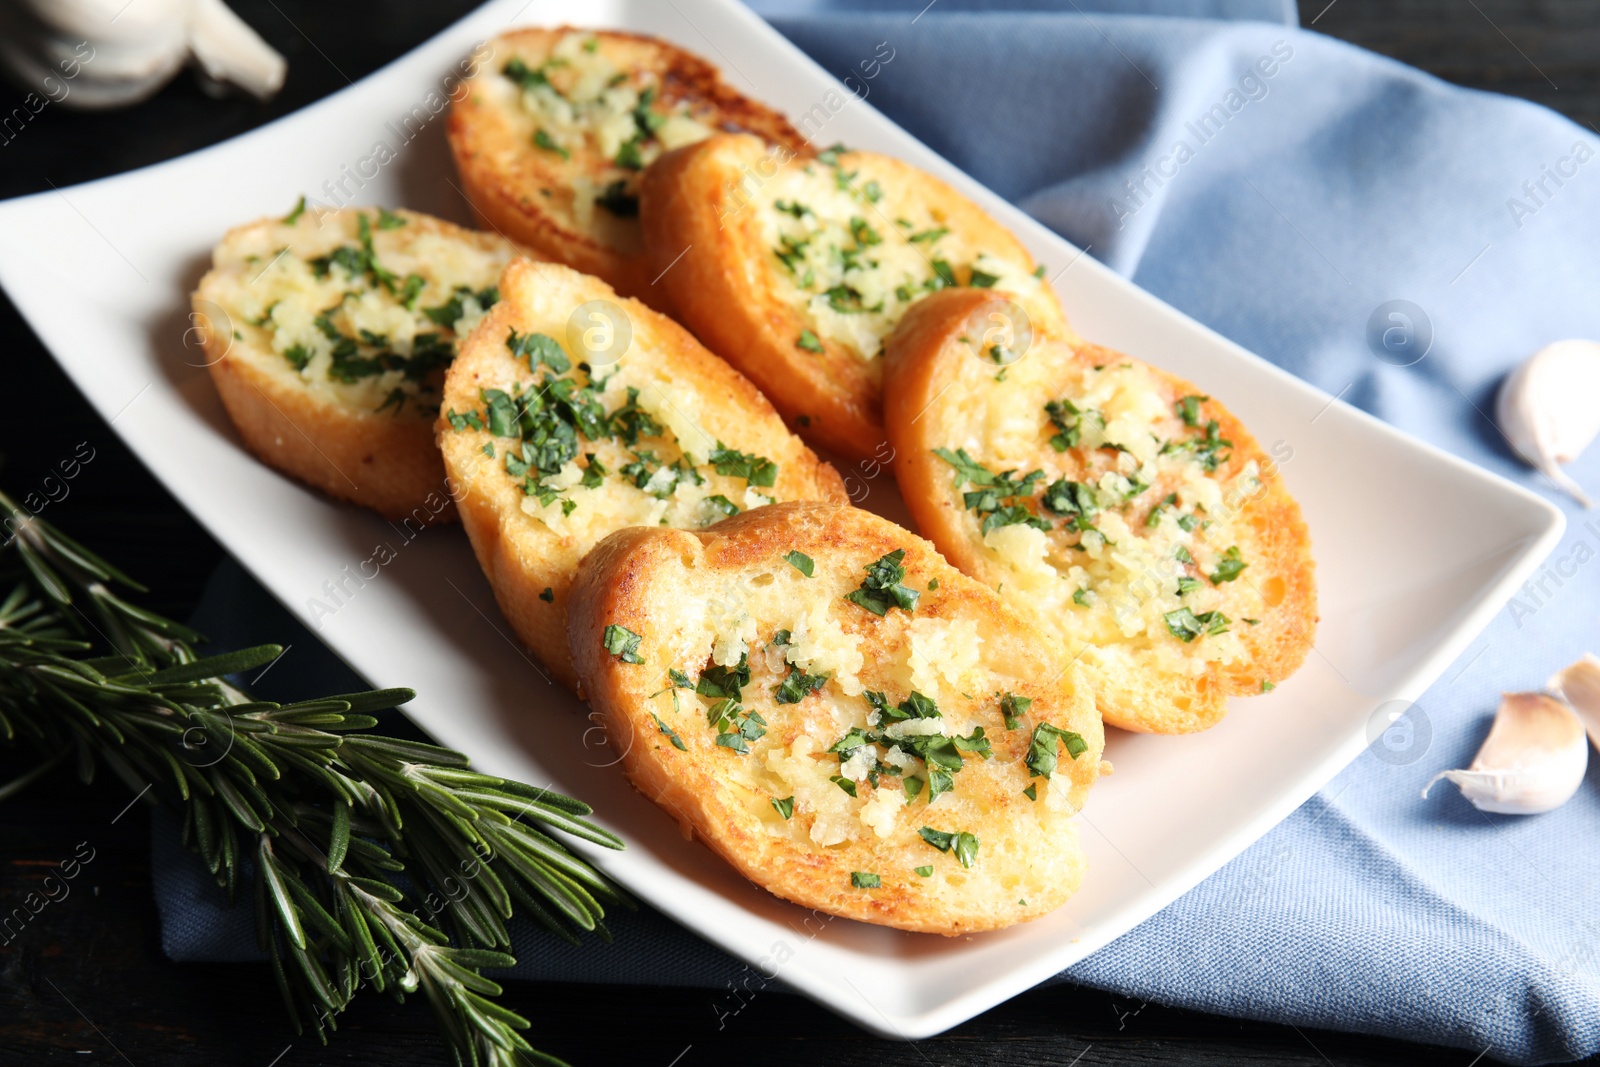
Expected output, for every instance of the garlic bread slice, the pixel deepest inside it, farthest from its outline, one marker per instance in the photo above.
(551, 133)
(1130, 517)
(844, 717)
(573, 412)
(327, 334)
(795, 269)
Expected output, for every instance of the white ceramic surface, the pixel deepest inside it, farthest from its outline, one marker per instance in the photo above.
(1415, 549)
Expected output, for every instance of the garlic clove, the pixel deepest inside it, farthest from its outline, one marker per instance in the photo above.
(1532, 761)
(228, 50)
(1549, 408)
(1579, 684)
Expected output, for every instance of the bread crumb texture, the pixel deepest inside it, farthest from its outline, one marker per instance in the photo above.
(852, 240)
(362, 307)
(1126, 514)
(812, 727)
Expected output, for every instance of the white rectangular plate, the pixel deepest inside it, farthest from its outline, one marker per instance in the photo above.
(1415, 549)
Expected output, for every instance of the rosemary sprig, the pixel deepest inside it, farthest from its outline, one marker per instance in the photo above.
(373, 860)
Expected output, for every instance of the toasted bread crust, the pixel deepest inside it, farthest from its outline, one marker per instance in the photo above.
(706, 237)
(648, 581)
(381, 460)
(929, 371)
(529, 564)
(506, 176)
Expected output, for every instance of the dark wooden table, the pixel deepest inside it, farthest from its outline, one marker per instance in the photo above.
(86, 981)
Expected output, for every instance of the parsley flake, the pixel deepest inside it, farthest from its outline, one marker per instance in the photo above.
(677, 742)
(1185, 625)
(1042, 750)
(623, 643)
(801, 562)
(881, 590)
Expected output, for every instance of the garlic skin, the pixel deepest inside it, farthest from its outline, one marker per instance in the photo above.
(1532, 761)
(1549, 408)
(95, 54)
(1579, 684)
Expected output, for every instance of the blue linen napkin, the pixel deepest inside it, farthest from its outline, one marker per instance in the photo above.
(1316, 186)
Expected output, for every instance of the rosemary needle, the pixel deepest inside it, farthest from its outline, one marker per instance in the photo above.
(378, 861)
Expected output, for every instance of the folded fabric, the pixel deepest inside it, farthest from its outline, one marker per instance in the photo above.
(1286, 190)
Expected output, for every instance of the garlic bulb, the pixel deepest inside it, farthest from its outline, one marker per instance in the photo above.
(92, 54)
(1580, 685)
(1548, 411)
(1532, 761)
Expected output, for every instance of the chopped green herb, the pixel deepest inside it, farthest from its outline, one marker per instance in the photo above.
(1042, 754)
(593, 474)
(881, 590)
(967, 468)
(548, 596)
(1183, 554)
(965, 844)
(913, 786)
(411, 289)
(966, 849)
(928, 235)
(720, 505)
(719, 682)
(863, 233)
(933, 584)
(1153, 519)
(623, 643)
(1032, 792)
(784, 807)
(1069, 419)
(1185, 625)
(1188, 409)
(538, 348)
(843, 783)
(865, 879)
(542, 139)
(809, 341)
(1229, 567)
(616, 199)
(1187, 585)
(1013, 707)
(677, 742)
(294, 216)
(628, 155)
(1063, 497)
(926, 872)
(1084, 598)
(388, 220)
(797, 686)
(754, 469)
(848, 301)
(524, 75)
(801, 562)
(1266, 686)
(982, 279)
